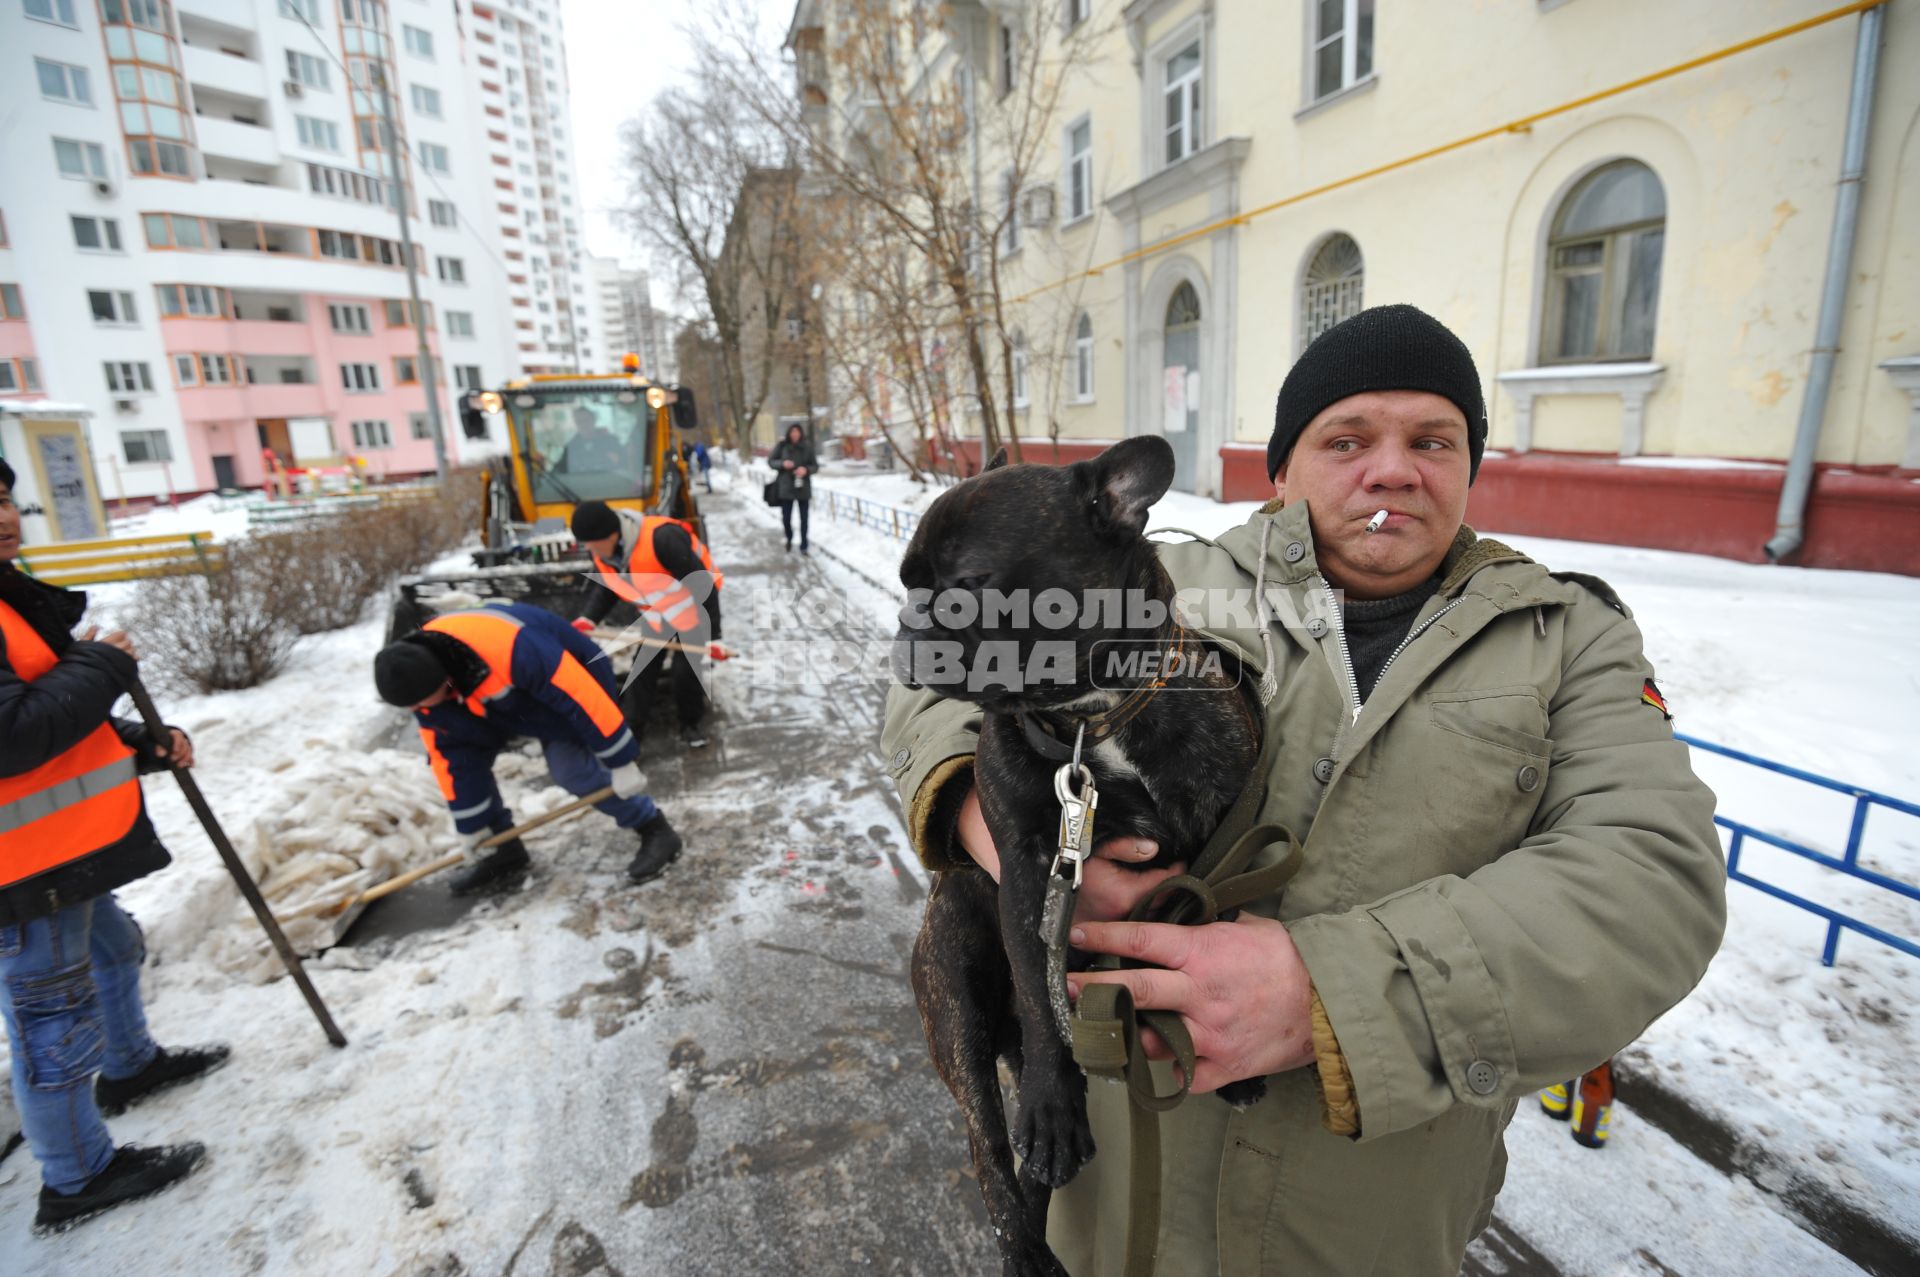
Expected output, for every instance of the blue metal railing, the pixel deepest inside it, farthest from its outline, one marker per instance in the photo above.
(1848, 863)
(892, 520)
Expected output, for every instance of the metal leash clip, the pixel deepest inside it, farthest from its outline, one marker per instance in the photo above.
(1076, 811)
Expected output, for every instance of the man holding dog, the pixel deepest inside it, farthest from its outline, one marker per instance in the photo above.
(1509, 868)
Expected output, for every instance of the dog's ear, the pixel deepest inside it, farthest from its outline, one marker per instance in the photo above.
(1131, 476)
(999, 459)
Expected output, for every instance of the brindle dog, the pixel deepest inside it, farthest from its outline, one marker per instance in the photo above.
(1169, 773)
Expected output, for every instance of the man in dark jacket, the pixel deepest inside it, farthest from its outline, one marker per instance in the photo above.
(72, 828)
(660, 568)
(794, 465)
(476, 681)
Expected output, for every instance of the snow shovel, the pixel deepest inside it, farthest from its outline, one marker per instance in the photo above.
(248, 888)
(412, 876)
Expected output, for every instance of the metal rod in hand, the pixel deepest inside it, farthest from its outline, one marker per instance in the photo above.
(432, 867)
(241, 878)
(621, 639)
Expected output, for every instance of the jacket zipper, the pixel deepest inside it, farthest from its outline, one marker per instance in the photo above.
(1412, 634)
(1346, 661)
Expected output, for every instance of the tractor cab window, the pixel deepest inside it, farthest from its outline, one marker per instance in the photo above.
(590, 448)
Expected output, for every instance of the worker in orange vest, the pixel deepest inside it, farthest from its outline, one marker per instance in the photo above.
(660, 568)
(73, 827)
(478, 680)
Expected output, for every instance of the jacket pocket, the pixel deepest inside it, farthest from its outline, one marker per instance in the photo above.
(1480, 771)
(59, 1017)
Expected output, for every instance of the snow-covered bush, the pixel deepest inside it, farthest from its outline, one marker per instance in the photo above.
(227, 629)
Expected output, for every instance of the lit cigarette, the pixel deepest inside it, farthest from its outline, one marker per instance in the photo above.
(1373, 524)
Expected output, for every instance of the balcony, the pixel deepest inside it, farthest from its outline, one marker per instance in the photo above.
(235, 141)
(237, 337)
(237, 14)
(229, 403)
(210, 68)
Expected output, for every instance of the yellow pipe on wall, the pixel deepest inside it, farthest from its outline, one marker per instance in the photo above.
(1520, 125)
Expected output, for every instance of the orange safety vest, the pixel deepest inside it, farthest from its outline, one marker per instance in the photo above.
(77, 802)
(649, 586)
(491, 634)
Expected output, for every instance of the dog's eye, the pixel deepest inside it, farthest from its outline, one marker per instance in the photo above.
(974, 584)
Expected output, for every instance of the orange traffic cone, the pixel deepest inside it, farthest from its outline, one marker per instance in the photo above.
(1593, 1106)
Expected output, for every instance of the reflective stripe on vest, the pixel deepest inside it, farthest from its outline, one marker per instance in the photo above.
(649, 586)
(83, 799)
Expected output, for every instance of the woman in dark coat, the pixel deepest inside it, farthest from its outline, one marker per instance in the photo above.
(793, 464)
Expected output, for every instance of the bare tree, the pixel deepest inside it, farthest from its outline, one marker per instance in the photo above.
(896, 109)
(711, 194)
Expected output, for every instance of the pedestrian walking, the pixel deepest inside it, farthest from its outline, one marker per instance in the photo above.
(73, 828)
(1493, 807)
(478, 680)
(794, 466)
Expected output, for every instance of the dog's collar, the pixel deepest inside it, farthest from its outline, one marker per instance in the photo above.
(1057, 742)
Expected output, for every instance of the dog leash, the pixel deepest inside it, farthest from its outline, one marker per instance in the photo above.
(1104, 1032)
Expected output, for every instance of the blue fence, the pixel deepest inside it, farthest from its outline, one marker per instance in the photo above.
(1864, 800)
(892, 520)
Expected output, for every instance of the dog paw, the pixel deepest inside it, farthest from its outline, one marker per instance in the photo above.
(1244, 1093)
(1053, 1139)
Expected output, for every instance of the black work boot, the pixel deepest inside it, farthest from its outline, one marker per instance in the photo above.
(499, 870)
(693, 736)
(659, 845)
(115, 1095)
(134, 1172)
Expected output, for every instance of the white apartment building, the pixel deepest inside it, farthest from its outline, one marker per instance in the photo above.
(624, 309)
(519, 78)
(198, 238)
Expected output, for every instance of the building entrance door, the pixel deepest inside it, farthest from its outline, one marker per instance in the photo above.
(223, 473)
(1180, 386)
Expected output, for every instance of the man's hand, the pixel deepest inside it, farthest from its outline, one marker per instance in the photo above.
(1240, 986)
(1110, 882)
(786, 465)
(177, 752)
(113, 638)
(800, 473)
(628, 781)
(718, 652)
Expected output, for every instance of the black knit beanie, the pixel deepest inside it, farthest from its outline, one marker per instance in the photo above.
(406, 673)
(593, 520)
(6, 474)
(1384, 348)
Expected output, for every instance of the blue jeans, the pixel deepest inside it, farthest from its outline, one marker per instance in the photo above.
(72, 1009)
(576, 770)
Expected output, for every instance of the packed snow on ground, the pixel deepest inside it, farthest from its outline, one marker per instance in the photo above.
(1809, 668)
(224, 516)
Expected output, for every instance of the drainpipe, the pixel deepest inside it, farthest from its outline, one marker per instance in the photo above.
(1790, 528)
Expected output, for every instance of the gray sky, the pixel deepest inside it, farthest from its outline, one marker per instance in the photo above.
(619, 54)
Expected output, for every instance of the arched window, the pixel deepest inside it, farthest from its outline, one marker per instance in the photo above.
(1019, 341)
(1603, 266)
(1332, 287)
(1083, 360)
(1183, 307)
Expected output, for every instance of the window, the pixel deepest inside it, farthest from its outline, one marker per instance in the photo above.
(459, 323)
(1009, 58)
(1079, 170)
(419, 425)
(60, 11)
(450, 269)
(167, 231)
(419, 43)
(98, 234)
(1019, 370)
(360, 379)
(1331, 290)
(128, 378)
(110, 306)
(308, 9)
(467, 377)
(441, 213)
(349, 319)
(186, 370)
(216, 370)
(9, 378)
(149, 157)
(1342, 44)
(433, 158)
(1181, 101)
(143, 446)
(1010, 239)
(323, 135)
(193, 301)
(1083, 360)
(406, 370)
(10, 305)
(63, 82)
(307, 69)
(1603, 267)
(1078, 11)
(426, 101)
(79, 159)
(371, 434)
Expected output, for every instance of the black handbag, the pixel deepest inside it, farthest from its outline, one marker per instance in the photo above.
(771, 492)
